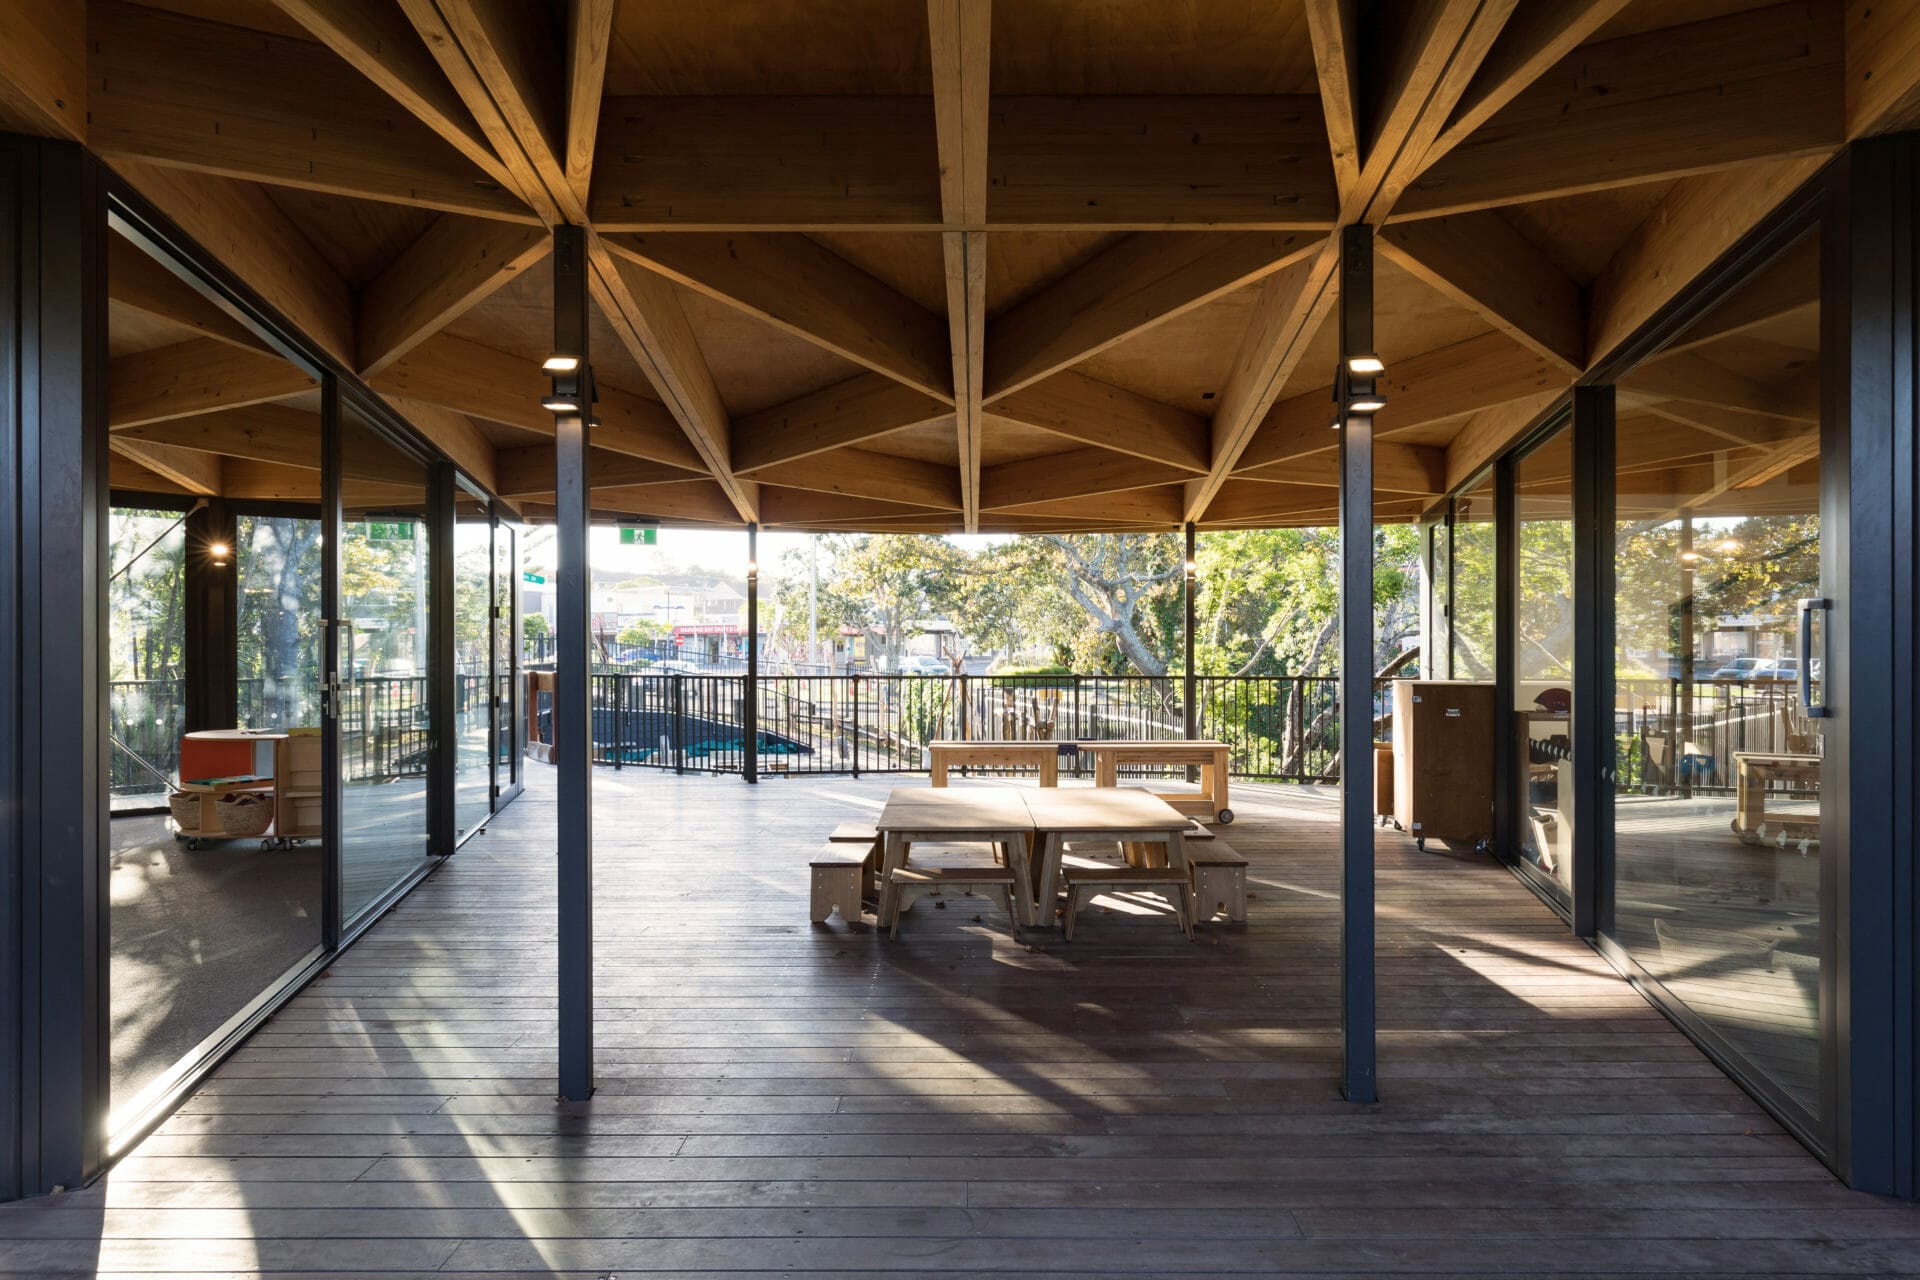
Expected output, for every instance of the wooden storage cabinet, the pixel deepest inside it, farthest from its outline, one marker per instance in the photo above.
(298, 813)
(1443, 759)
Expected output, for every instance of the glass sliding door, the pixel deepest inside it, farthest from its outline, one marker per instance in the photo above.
(473, 756)
(146, 653)
(506, 651)
(385, 723)
(280, 611)
(1541, 718)
(1718, 848)
(1472, 623)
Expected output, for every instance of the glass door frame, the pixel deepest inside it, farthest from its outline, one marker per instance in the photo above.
(1813, 210)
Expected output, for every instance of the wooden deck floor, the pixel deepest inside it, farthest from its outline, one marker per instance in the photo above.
(780, 1098)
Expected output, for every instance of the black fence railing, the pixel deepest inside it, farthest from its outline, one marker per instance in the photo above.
(1279, 727)
(1666, 741)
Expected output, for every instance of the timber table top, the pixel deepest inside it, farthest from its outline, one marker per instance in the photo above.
(931, 809)
(1099, 809)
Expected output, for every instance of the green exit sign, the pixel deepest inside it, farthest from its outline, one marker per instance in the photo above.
(390, 531)
(639, 537)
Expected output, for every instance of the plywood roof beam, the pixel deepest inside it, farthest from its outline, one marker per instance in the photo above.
(1080, 408)
(454, 265)
(43, 69)
(375, 37)
(264, 433)
(861, 408)
(799, 286)
(1055, 477)
(529, 470)
(647, 318)
(1883, 68)
(1480, 261)
(1142, 281)
(1397, 468)
(192, 470)
(137, 280)
(1488, 432)
(193, 377)
(1760, 84)
(862, 473)
(1158, 506)
(455, 435)
(223, 99)
(959, 38)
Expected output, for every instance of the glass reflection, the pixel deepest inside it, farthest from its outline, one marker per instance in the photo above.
(1543, 663)
(1717, 831)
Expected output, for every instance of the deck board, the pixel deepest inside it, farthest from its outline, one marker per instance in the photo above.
(782, 1098)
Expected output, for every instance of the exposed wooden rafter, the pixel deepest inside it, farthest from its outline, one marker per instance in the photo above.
(1055, 477)
(959, 37)
(1481, 262)
(845, 413)
(862, 473)
(196, 376)
(1092, 412)
(450, 268)
(43, 69)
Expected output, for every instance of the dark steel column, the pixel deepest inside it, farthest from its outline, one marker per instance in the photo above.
(442, 692)
(53, 667)
(750, 689)
(1357, 1076)
(573, 665)
(334, 676)
(211, 671)
(1189, 575)
(1592, 729)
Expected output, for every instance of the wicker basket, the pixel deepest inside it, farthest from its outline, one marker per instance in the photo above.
(185, 806)
(246, 814)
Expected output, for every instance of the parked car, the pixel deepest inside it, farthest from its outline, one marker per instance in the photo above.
(673, 667)
(1742, 669)
(921, 664)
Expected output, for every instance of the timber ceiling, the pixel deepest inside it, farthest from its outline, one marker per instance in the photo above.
(1046, 264)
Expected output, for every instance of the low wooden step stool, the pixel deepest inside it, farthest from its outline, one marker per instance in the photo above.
(912, 882)
(837, 872)
(864, 835)
(1093, 876)
(1219, 881)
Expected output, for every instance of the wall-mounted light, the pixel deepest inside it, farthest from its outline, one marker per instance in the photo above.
(1366, 404)
(560, 404)
(557, 363)
(1193, 569)
(218, 552)
(1688, 557)
(1366, 365)
(753, 568)
(1729, 545)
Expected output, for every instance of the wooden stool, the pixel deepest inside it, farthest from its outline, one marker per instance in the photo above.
(1219, 881)
(836, 882)
(1080, 874)
(865, 835)
(912, 882)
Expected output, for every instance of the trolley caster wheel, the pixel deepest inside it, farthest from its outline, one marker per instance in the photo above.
(1225, 816)
(194, 844)
(1420, 843)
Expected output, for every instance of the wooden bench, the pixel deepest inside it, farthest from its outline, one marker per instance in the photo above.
(1091, 876)
(837, 876)
(1219, 881)
(866, 836)
(1044, 756)
(910, 882)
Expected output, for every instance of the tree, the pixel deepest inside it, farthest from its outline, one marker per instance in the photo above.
(640, 632)
(1113, 577)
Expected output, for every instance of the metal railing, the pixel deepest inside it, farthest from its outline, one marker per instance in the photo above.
(1279, 727)
(1665, 741)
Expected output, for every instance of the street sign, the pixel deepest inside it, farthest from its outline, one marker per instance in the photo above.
(639, 537)
(538, 579)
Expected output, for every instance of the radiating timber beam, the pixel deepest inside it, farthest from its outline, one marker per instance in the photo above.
(1080, 408)
(797, 285)
(1397, 468)
(1789, 284)
(959, 40)
(589, 40)
(137, 280)
(1761, 84)
(1692, 376)
(455, 264)
(465, 376)
(222, 99)
(1056, 477)
(263, 432)
(192, 470)
(1735, 426)
(375, 38)
(1291, 306)
(647, 318)
(43, 69)
(783, 506)
(1883, 67)
(861, 408)
(1159, 505)
(1419, 63)
(1488, 433)
(862, 473)
(1535, 38)
(242, 228)
(1480, 261)
(454, 434)
(1699, 220)
(1445, 383)
(1334, 28)
(196, 376)
(1140, 282)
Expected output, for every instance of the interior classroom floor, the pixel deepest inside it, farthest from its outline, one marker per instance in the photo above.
(782, 1097)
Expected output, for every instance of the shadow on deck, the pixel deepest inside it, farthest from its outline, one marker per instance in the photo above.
(782, 1097)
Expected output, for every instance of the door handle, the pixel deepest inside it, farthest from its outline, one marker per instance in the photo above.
(1807, 608)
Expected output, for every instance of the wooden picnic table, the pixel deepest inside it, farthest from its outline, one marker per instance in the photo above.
(1012, 818)
(1001, 754)
(985, 815)
(1210, 804)
(1754, 772)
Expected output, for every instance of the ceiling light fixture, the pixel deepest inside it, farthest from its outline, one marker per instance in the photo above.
(1366, 365)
